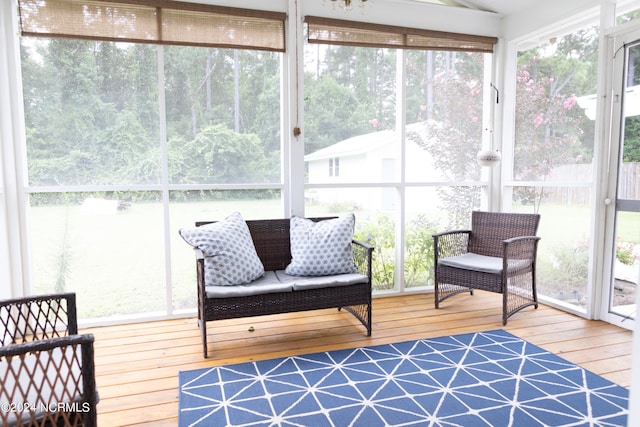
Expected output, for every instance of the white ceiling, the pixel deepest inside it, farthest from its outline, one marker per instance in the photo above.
(501, 7)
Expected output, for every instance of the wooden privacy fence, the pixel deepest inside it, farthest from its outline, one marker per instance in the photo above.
(628, 184)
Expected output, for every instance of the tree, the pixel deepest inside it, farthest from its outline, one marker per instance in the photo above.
(632, 139)
(448, 97)
(216, 155)
(93, 116)
(350, 92)
(632, 124)
(332, 113)
(260, 100)
(63, 108)
(551, 129)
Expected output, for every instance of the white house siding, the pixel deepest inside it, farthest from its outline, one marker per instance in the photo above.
(370, 158)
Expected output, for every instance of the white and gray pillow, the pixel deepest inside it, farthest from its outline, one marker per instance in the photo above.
(321, 248)
(230, 255)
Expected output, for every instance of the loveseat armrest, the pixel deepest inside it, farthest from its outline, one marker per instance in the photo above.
(202, 292)
(37, 317)
(362, 257)
(199, 266)
(450, 243)
(49, 382)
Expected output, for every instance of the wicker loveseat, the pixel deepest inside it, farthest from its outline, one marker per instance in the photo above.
(277, 292)
(47, 375)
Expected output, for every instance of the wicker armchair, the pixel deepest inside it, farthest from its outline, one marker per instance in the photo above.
(47, 375)
(497, 255)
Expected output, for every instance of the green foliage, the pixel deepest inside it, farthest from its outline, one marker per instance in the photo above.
(419, 255)
(379, 231)
(551, 129)
(351, 92)
(86, 121)
(571, 264)
(627, 252)
(451, 106)
(631, 139)
(128, 156)
(635, 14)
(92, 114)
(332, 113)
(64, 259)
(216, 155)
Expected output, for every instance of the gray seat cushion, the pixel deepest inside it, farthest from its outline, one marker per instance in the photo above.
(279, 281)
(266, 284)
(483, 263)
(301, 283)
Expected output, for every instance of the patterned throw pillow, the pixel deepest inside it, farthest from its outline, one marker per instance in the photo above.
(321, 248)
(230, 256)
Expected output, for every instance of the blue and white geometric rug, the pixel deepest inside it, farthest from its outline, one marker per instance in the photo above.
(480, 379)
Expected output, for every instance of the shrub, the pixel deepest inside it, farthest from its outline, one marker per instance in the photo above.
(379, 231)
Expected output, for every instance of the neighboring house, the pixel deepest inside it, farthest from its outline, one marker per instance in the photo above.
(631, 103)
(372, 157)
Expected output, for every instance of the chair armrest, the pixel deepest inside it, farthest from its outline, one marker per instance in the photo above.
(521, 247)
(52, 376)
(38, 317)
(445, 233)
(362, 257)
(450, 243)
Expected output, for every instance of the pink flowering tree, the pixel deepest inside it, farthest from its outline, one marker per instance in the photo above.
(549, 127)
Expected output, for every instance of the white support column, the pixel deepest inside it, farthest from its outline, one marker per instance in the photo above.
(508, 57)
(494, 123)
(293, 113)
(604, 186)
(164, 162)
(400, 229)
(14, 266)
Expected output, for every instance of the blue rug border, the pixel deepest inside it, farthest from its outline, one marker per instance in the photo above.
(186, 376)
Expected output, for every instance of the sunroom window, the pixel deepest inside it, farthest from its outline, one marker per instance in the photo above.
(553, 158)
(126, 142)
(407, 140)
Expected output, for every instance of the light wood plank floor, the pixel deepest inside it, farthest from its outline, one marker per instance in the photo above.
(137, 365)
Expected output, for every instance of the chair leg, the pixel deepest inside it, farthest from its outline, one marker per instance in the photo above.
(505, 299)
(202, 322)
(533, 286)
(438, 299)
(527, 300)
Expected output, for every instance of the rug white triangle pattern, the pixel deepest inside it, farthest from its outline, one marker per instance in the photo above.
(480, 379)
